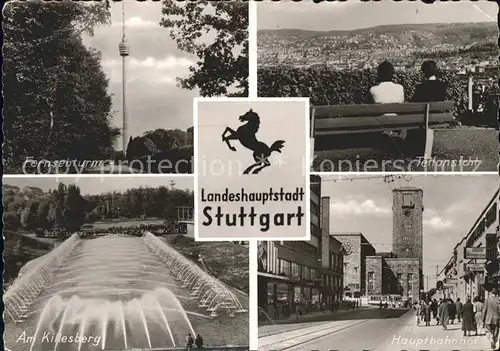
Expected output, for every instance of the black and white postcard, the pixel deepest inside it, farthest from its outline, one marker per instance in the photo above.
(111, 264)
(107, 87)
(394, 85)
(395, 262)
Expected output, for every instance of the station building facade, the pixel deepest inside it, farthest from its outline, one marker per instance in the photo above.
(399, 273)
(356, 249)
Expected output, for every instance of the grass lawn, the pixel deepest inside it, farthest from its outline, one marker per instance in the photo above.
(228, 262)
(461, 143)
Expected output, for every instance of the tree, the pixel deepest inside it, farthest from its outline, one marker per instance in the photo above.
(16, 205)
(43, 215)
(177, 197)
(57, 212)
(190, 136)
(29, 216)
(11, 220)
(222, 64)
(75, 209)
(158, 202)
(57, 104)
(129, 154)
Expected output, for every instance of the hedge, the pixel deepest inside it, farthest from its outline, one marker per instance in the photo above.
(12, 220)
(325, 86)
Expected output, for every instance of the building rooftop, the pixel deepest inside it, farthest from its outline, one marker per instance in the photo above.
(408, 188)
(385, 254)
(403, 258)
(364, 240)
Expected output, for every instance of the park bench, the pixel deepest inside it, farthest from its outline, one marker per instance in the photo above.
(418, 119)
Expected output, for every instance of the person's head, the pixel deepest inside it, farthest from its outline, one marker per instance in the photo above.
(385, 72)
(458, 300)
(429, 69)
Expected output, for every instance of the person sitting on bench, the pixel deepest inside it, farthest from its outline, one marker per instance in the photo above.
(431, 89)
(386, 91)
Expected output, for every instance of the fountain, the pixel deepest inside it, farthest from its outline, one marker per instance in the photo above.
(19, 297)
(211, 293)
(118, 324)
(112, 292)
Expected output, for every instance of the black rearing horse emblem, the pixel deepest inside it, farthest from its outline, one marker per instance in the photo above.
(246, 135)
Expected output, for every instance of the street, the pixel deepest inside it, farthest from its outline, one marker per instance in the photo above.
(368, 329)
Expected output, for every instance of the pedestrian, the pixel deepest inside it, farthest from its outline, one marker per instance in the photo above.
(437, 311)
(443, 313)
(434, 309)
(491, 313)
(189, 342)
(468, 321)
(478, 315)
(276, 310)
(418, 311)
(198, 341)
(426, 315)
(452, 311)
(458, 308)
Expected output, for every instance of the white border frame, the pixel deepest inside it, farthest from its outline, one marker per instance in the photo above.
(103, 176)
(305, 169)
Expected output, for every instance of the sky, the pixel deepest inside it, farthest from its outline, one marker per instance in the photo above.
(153, 99)
(452, 204)
(283, 120)
(351, 15)
(98, 185)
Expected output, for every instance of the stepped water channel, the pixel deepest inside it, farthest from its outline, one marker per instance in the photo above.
(119, 292)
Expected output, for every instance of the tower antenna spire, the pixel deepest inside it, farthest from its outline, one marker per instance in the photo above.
(123, 20)
(124, 50)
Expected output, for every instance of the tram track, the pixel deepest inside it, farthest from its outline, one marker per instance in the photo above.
(302, 326)
(269, 346)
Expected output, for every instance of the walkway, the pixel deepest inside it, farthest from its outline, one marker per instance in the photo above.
(407, 336)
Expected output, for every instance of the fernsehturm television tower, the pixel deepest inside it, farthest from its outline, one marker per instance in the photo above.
(124, 49)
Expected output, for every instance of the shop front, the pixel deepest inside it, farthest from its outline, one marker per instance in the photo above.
(275, 293)
(285, 296)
